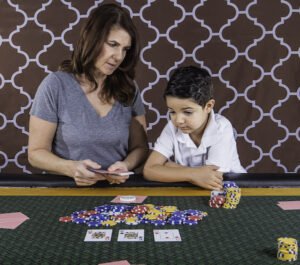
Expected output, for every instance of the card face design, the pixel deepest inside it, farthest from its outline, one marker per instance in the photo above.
(97, 235)
(131, 235)
(166, 235)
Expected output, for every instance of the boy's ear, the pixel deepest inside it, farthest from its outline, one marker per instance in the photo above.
(209, 105)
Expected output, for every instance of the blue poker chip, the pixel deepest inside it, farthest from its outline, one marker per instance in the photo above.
(192, 212)
(158, 222)
(145, 221)
(229, 184)
(94, 223)
(103, 208)
(100, 216)
(79, 220)
(175, 222)
(178, 214)
(190, 222)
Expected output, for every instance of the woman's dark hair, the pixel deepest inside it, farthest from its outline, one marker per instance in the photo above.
(120, 84)
(190, 82)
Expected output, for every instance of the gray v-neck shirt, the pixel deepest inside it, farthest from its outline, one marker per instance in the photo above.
(81, 132)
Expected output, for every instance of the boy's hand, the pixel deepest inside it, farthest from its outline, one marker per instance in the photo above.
(208, 177)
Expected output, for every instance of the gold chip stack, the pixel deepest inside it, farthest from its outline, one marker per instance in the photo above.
(233, 196)
(287, 249)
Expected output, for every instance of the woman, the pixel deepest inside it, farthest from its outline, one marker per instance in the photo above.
(90, 113)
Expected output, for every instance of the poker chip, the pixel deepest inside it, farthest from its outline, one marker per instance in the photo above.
(190, 222)
(65, 219)
(159, 222)
(79, 220)
(287, 249)
(228, 198)
(132, 221)
(110, 215)
(94, 223)
(109, 223)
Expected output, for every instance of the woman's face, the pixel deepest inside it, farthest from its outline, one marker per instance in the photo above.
(113, 51)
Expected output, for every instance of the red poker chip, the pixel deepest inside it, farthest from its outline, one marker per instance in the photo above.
(195, 218)
(65, 219)
(213, 205)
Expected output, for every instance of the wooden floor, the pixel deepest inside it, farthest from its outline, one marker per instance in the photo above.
(157, 191)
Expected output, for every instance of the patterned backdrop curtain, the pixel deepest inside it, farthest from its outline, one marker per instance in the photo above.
(251, 48)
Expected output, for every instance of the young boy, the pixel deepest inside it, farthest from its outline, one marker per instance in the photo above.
(200, 142)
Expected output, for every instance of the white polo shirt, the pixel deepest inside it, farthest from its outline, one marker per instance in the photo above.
(217, 147)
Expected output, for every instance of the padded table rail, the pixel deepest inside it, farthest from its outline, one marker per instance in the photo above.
(242, 180)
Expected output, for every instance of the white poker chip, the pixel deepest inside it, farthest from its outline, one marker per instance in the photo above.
(127, 198)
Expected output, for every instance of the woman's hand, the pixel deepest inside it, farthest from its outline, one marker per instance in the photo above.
(83, 176)
(117, 166)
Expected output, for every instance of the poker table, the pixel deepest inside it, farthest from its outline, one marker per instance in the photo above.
(246, 235)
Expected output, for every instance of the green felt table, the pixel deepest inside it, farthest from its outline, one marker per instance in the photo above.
(246, 235)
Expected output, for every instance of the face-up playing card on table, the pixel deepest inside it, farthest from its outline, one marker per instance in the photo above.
(166, 235)
(132, 235)
(96, 235)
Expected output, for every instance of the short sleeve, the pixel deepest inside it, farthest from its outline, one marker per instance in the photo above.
(165, 142)
(137, 106)
(45, 103)
(223, 153)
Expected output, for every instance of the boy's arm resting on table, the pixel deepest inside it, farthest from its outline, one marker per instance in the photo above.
(158, 169)
(41, 134)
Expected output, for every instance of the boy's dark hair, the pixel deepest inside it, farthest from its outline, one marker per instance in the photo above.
(190, 82)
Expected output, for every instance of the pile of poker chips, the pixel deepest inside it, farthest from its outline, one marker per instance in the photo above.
(110, 215)
(228, 198)
(217, 199)
(287, 249)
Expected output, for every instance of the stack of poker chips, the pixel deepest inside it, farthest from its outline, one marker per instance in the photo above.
(217, 199)
(287, 249)
(110, 215)
(228, 198)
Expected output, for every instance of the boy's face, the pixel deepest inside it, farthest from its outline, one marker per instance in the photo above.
(187, 115)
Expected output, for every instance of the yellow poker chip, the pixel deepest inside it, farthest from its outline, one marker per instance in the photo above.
(109, 223)
(287, 249)
(154, 212)
(132, 221)
(149, 206)
(169, 209)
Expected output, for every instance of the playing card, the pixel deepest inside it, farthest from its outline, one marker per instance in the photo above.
(117, 172)
(289, 205)
(12, 220)
(98, 235)
(120, 262)
(131, 235)
(166, 235)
